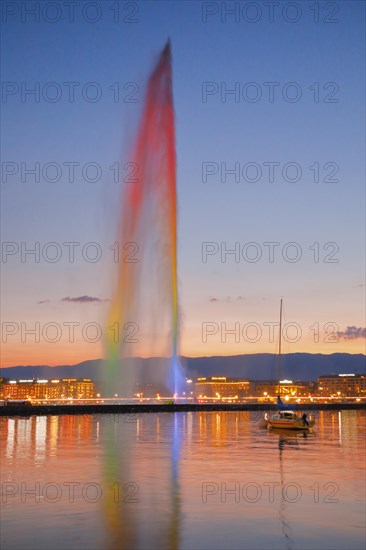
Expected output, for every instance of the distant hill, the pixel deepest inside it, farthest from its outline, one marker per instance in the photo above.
(294, 366)
(260, 366)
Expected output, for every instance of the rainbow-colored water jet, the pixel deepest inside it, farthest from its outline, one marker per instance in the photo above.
(146, 294)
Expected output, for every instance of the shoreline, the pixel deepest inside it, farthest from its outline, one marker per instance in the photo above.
(52, 410)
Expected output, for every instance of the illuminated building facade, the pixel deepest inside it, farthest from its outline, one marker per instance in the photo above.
(39, 389)
(342, 385)
(269, 388)
(222, 387)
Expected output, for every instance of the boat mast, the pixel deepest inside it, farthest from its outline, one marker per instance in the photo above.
(279, 352)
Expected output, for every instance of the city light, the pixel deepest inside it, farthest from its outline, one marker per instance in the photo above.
(206, 389)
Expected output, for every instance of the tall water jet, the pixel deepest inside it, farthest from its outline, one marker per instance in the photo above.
(143, 318)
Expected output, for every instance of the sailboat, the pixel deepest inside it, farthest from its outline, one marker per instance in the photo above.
(285, 418)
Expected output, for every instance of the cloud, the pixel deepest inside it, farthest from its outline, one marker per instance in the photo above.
(352, 333)
(84, 299)
(43, 302)
(359, 286)
(227, 299)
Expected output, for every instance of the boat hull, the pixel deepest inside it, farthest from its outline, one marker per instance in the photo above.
(290, 424)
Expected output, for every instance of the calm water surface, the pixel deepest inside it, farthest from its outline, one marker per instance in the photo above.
(182, 481)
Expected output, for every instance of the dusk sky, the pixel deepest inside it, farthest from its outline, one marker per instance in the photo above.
(293, 130)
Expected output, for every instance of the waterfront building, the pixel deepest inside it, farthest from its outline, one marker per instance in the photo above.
(342, 385)
(39, 389)
(221, 387)
(269, 388)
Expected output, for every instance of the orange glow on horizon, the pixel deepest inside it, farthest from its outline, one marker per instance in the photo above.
(32, 354)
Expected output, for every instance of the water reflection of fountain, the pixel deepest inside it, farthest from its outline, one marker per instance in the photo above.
(121, 529)
(173, 538)
(147, 513)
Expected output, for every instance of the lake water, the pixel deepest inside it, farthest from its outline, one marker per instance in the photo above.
(182, 481)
